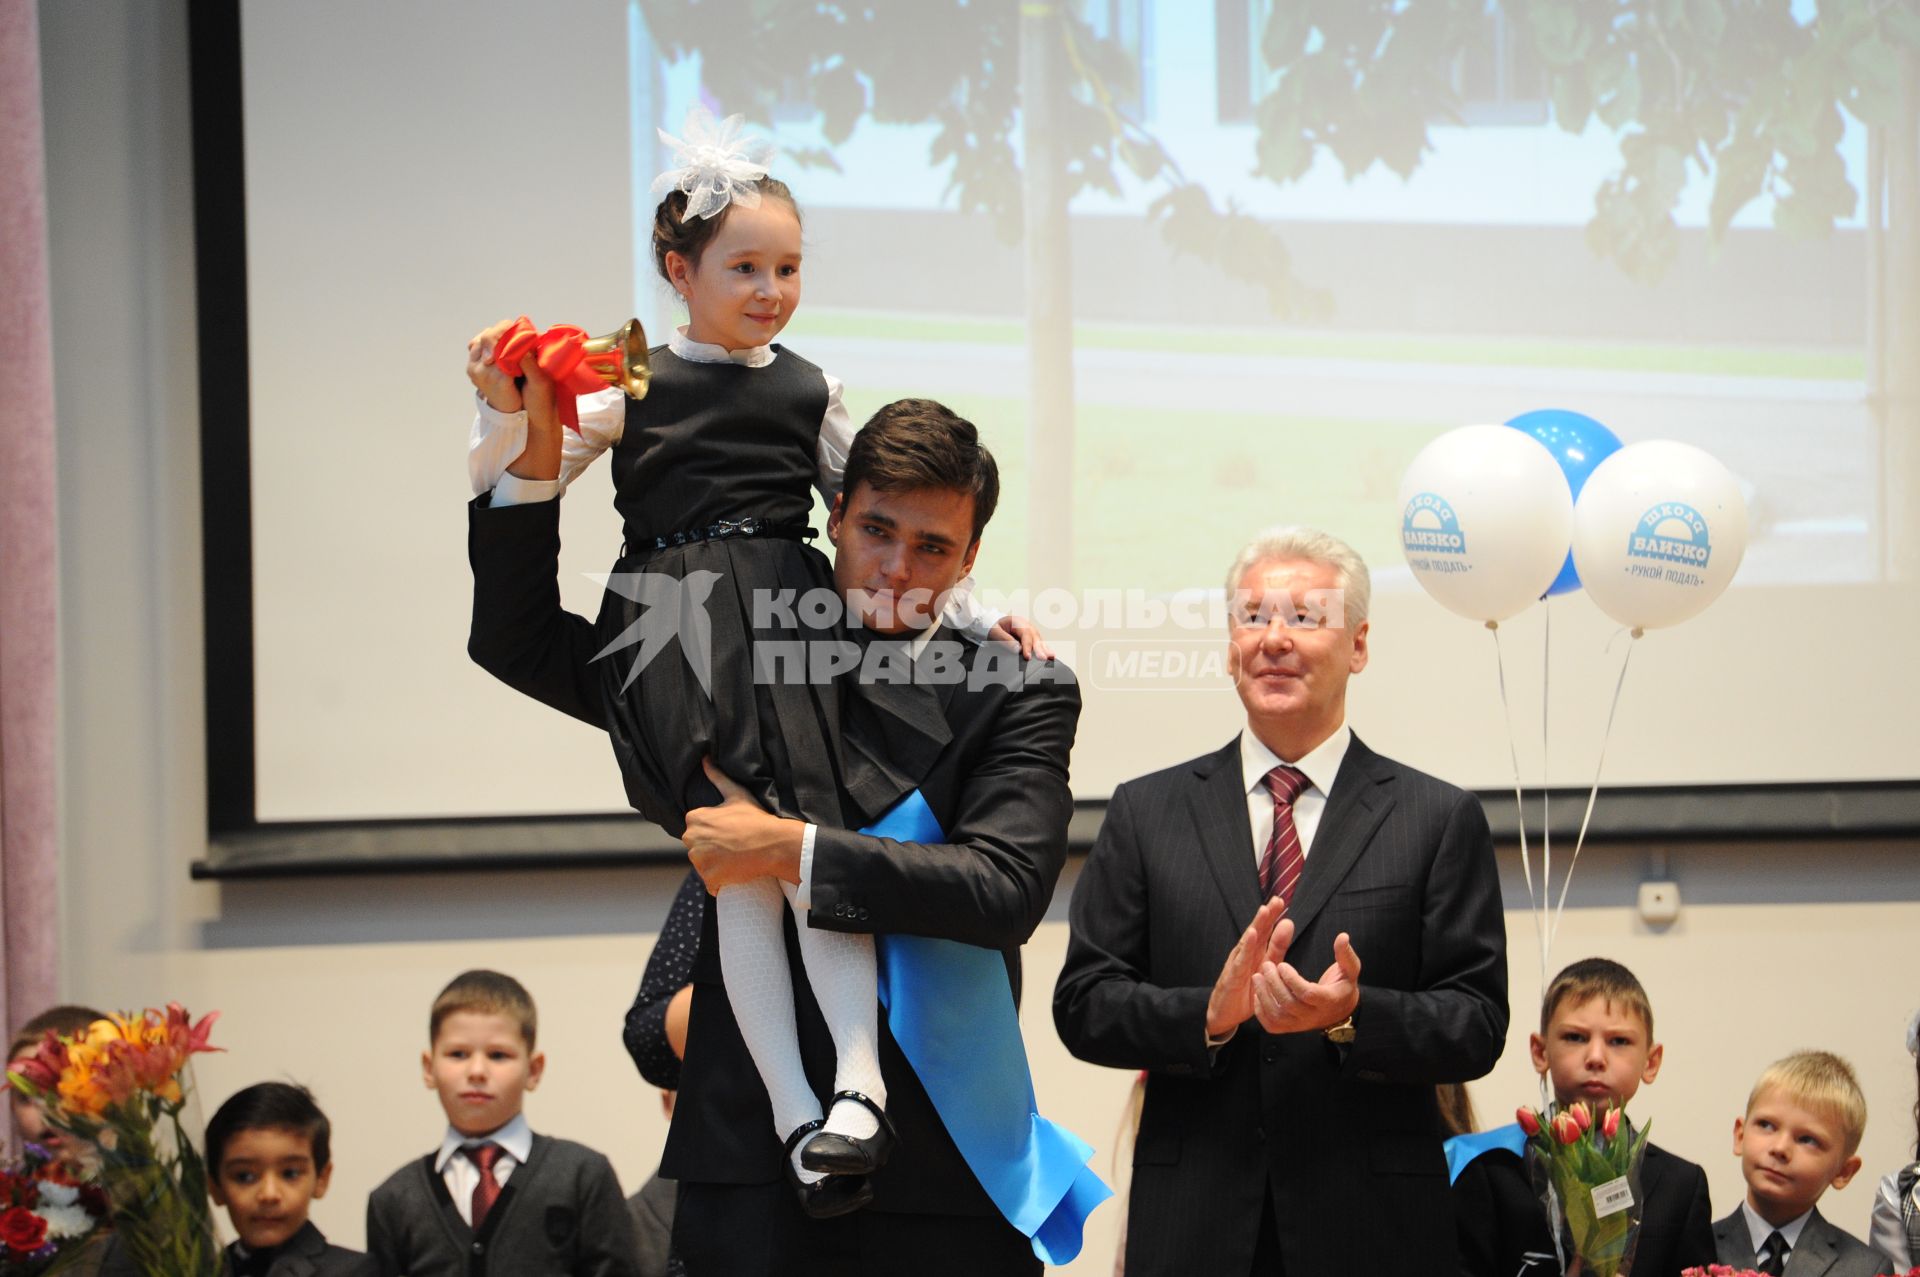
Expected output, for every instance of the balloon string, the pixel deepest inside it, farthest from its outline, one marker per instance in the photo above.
(1534, 905)
(1592, 794)
(1546, 773)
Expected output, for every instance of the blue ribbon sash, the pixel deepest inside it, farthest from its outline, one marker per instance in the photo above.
(949, 1008)
(1462, 1149)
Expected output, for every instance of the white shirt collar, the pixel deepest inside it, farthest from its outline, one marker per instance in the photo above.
(1759, 1229)
(701, 352)
(1321, 763)
(516, 1137)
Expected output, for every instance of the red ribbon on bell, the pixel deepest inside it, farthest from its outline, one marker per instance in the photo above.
(560, 353)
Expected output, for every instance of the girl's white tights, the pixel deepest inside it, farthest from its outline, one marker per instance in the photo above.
(840, 970)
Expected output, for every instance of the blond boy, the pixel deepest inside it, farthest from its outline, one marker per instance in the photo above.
(1799, 1137)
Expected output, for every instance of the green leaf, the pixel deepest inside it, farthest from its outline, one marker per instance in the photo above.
(1668, 177)
(1556, 33)
(1623, 106)
(1903, 24)
(842, 99)
(1572, 104)
(1708, 18)
(1285, 153)
(1739, 175)
(1286, 35)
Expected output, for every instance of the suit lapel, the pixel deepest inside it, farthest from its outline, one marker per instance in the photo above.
(1817, 1251)
(1732, 1240)
(1354, 811)
(302, 1253)
(1218, 804)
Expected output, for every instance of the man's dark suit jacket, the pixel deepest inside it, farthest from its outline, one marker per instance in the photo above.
(1822, 1251)
(1348, 1141)
(999, 790)
(1501, 1220)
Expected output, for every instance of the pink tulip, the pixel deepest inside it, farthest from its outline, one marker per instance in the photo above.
(1582, 1115)
(1610, 1124)
(1529, 1121)
(1565, 1129)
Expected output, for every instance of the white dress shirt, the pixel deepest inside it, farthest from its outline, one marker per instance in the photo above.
(1320, 765)
(459, 1173)
(1759, 1229)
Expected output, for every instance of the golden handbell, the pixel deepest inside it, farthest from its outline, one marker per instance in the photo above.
(632, 370)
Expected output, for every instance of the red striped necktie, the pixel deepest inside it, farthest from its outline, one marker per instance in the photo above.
(487, 1190)
(1284, 858)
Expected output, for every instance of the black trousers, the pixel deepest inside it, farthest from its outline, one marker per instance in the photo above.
(759, 1230)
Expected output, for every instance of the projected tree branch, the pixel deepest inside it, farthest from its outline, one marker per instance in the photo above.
(1742, 92)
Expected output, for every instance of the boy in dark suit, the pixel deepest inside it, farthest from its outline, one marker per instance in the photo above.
(1596, 1044)
(269, 1159)
(1800, 1137)
(495, 1197)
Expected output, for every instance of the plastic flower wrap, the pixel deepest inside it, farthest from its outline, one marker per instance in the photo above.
(121, 1089)
(1587, 1171)
(45, 1214)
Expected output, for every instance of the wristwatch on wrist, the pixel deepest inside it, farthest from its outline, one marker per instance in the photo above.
(1340, 1034)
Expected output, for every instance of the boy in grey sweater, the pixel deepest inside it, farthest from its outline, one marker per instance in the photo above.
(494, 1197)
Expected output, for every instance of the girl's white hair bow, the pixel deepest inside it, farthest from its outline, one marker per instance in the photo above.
(715, 163)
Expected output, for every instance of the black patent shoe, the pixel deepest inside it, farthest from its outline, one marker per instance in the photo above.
(832, 1196)
(845, 1155)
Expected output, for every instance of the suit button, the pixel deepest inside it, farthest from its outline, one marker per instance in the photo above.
(479, 1248)
(863, 913)
(1269, 1055)
(839, 911)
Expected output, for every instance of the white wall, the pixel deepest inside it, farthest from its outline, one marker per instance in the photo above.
(327, 982)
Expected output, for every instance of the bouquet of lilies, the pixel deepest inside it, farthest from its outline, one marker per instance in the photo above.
(46, 1214)
(121, 1088)
(1592, 1167)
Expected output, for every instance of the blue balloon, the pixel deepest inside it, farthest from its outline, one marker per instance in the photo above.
(1578, 443)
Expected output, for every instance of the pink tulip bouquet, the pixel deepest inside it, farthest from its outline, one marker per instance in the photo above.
(1593, 1170)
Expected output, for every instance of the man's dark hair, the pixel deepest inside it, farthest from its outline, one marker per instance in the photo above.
(269, 1106)
(918, 443)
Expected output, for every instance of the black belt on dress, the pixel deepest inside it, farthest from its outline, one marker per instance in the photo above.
(724, 530)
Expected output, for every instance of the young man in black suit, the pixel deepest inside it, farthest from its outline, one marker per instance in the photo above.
(918, 489)
(1290, 1123)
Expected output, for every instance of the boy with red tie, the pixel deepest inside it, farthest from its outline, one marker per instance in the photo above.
(495, 1197)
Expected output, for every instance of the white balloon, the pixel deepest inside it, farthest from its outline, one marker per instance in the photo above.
(1658, 533)
(1485, 516)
